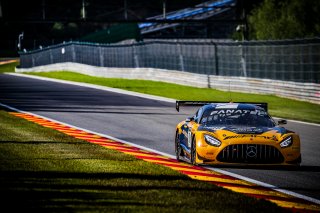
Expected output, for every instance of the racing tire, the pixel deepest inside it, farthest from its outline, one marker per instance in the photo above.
(177, 147)
(193, 154)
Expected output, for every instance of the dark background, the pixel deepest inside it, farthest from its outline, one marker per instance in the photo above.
(47, 22)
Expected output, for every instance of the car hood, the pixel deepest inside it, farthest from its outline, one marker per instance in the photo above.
(243, 129)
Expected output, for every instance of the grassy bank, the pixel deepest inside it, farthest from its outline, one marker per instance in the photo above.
(44, 170)
(278, 107)
(10, 67)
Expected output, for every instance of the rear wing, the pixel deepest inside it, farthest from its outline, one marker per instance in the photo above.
(201, 103)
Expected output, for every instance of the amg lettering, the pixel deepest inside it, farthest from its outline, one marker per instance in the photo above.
(249, 136)
(236, 136)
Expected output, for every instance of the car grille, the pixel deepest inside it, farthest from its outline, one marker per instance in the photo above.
(250, 153)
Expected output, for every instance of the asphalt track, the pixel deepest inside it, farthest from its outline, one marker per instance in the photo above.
(148, 123)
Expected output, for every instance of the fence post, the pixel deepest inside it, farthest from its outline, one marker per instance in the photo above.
(101, 57)
(181, 61)
(33, 60)
(51, 56)
(73, 52)
(243, 61)
(135, 56)
(216, 62)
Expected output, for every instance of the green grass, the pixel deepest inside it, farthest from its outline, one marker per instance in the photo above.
(8, 67)
(278, 107)
(44, 170)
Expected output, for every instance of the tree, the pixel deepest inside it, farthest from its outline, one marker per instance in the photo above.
(285, 19)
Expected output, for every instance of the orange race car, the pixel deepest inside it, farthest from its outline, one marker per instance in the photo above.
(235, 133)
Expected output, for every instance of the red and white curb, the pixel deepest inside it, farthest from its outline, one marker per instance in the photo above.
(233, 183)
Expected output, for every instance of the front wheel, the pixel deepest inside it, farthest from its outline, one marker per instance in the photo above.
(193, 151)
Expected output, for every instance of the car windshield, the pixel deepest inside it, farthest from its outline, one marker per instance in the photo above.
(236, 117)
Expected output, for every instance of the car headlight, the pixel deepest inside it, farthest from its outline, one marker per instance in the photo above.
(286, 142)
(212, 141)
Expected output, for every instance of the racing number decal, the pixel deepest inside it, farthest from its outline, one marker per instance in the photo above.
(187, 132)
(189, 138)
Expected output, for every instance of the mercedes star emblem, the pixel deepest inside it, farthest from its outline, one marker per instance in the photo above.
(251, 151)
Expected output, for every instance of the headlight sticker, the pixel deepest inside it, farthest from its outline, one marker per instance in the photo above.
(286, 142)
(212, 140)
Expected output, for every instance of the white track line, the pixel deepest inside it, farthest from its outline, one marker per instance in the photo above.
(121, 91)
(260, 183)
(172, 156)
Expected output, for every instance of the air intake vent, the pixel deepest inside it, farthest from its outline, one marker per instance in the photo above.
(250, 153)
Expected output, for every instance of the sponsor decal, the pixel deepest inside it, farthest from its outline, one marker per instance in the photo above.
(248, 130)
(210, 128)
(228, 111)
(227, 106)
(223, 112)
(250, 136)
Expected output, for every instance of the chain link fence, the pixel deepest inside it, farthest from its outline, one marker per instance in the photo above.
(289, 60)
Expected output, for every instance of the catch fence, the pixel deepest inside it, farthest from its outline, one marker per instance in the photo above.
(289, 60)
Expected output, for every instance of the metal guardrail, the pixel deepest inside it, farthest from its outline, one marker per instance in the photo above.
(301, 91)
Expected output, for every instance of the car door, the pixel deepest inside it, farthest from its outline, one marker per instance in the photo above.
(188, 130)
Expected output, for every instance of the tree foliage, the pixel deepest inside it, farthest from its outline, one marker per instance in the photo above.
(285, 19)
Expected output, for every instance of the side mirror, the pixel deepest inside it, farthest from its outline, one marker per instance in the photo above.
(282, 122)
(190, 119)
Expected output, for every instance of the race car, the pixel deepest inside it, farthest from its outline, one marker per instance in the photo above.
(235, 134)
